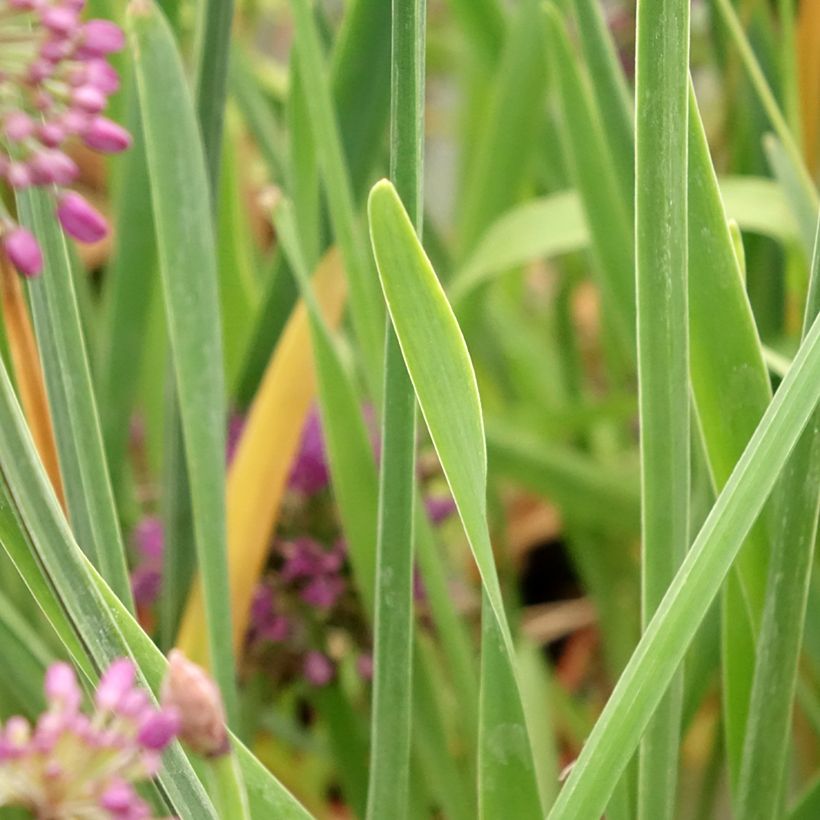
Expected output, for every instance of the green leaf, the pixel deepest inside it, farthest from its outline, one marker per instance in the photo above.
(129, 284)
(729, 381)
(596, 176)
(355, 482)
(391, 710)
(187, 260)
(507, 137)
(662, 107)
(556, 224)
(442, 375)
(71, 397)
(765, 754)
(672, 628)
(365, 305)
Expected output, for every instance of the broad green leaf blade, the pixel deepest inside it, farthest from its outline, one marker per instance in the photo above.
(662, 108)
(71, 396)
(439, 365)
(770, 710)
(555, 225)
(671, 630)
(187, 260)
(759, 206)
(539, 228)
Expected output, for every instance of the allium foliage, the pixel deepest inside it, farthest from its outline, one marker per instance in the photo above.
(55, 80)
(70, 764)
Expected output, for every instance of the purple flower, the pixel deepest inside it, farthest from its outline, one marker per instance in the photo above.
(70, 764)
(54, 82)
(439, 508)
(146, 578)
(318, 668)
(149, 538)
(324, 591)
(309, 474)
(364, 666)
(236, 424)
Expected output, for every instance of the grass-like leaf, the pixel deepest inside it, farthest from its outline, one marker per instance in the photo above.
(766, 749)
(71, 396)
(391, 710)
(187, 261)
(439, 366)
(672, 628)
(661, 99)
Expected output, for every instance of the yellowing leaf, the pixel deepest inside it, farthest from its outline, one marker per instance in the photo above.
(28, 373)
(259, 472)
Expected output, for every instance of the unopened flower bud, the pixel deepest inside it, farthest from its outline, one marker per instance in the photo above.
(101, 37)
(80, 220)
(195, 697)
(106, 136)
(23, 251)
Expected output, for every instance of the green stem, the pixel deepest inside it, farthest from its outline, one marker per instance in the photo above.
(663, 350)
(227, 788)
(393, 624)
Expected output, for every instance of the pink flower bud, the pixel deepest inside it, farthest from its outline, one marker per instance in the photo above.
(18, 126)
(88, 98)
(195, 697)
(55, 167)
(23, 251)
(120, 799)
(104, 135)
(59, 19)
(51, 134)
(158, 729)
(101, 37)
(61, 688)
(115, 684)
(19, 175)
(102, 75)
(80, 220)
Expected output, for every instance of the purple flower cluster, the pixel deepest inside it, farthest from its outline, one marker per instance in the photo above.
(146, 579)
(310, 474)
(70, 764)
(55, 80)
(306, 595)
